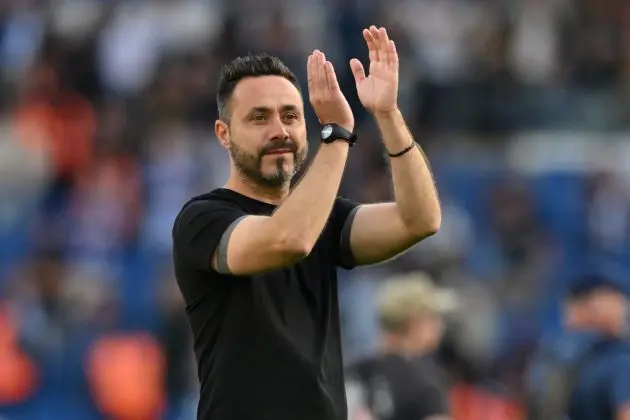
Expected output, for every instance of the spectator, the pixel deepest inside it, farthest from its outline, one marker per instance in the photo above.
(404, 382)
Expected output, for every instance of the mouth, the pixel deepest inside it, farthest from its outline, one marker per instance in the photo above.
(277, 152)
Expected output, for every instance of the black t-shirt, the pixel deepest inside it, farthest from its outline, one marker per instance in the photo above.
(390, 387)
(267, 346)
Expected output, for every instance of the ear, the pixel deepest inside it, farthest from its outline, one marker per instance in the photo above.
(222, 131)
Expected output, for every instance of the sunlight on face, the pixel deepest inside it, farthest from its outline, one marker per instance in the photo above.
(267, 131)
(425, 332)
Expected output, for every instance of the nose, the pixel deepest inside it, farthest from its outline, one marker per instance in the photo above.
(278, 129)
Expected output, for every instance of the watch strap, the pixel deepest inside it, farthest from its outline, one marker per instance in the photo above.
(335, 132)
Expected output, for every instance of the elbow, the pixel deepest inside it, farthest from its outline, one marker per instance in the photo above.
(425, 223)
(433, 222)
(433, 225)
(430, 229)
(295, 247)
(427, 227)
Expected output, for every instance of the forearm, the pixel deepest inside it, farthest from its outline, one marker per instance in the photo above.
(307, 209)
(414, 187)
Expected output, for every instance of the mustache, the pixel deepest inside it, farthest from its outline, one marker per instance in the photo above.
(274, 146)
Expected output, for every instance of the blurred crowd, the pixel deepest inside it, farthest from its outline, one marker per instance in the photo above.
(107, 110)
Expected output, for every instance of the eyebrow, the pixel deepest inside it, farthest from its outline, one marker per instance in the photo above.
(269, 110)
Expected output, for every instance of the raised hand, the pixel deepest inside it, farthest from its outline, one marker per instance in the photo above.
(328, 101)
(378, 91)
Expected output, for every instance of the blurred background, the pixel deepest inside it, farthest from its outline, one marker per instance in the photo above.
(106, 129)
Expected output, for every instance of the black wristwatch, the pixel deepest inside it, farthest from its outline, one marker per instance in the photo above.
(333, 132)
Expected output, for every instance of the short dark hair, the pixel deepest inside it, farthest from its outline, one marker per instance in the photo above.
(585, 286)
(248, 66)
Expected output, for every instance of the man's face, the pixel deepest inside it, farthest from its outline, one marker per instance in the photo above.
(425, 332)
(601, 309)
(267, 133)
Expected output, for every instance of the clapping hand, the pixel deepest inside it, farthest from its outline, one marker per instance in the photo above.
(325, 95)
(378, 91)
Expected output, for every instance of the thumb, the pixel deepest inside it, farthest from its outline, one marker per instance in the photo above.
(357, 70)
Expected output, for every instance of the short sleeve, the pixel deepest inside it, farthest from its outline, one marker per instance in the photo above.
(343, 214)
(620, 390)
(198, 230)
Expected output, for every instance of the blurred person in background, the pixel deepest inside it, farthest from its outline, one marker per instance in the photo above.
(403, 381)
(589, 376)
(36, 293)
(51, 116)
(516, 263)
(57, 306)
(177, 345)
(608, 216)
(602, 389)
(106, 204)
(256, 263)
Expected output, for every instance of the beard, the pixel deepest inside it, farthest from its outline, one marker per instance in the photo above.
(250, 164)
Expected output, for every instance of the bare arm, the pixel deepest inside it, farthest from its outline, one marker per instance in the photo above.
(414, 188)
(259, 243)
(381, 231)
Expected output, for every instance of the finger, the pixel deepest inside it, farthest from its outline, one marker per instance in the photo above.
(311, 72)
(376, 36)
(392, 55)
(331, 77)
(383, 45)
(315, 68)
(383, 36)
(371, 44)
(321, 71)
(357, 70)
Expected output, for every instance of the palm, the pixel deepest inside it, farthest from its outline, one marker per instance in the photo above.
(378, 91)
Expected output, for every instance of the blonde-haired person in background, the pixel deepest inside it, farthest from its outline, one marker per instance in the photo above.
(401, 382)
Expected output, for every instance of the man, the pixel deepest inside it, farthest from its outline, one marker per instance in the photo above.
(588, 375)
(403, 383)
(256, 263)
(599, 306)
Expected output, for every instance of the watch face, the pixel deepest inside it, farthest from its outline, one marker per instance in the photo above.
(327, 131)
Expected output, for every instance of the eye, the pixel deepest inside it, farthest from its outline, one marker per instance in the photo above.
(291, 116)
(258, 118)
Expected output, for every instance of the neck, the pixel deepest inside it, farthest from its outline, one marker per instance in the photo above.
(258, 192)
(615, 330)
(400, 346)
(606, 329)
